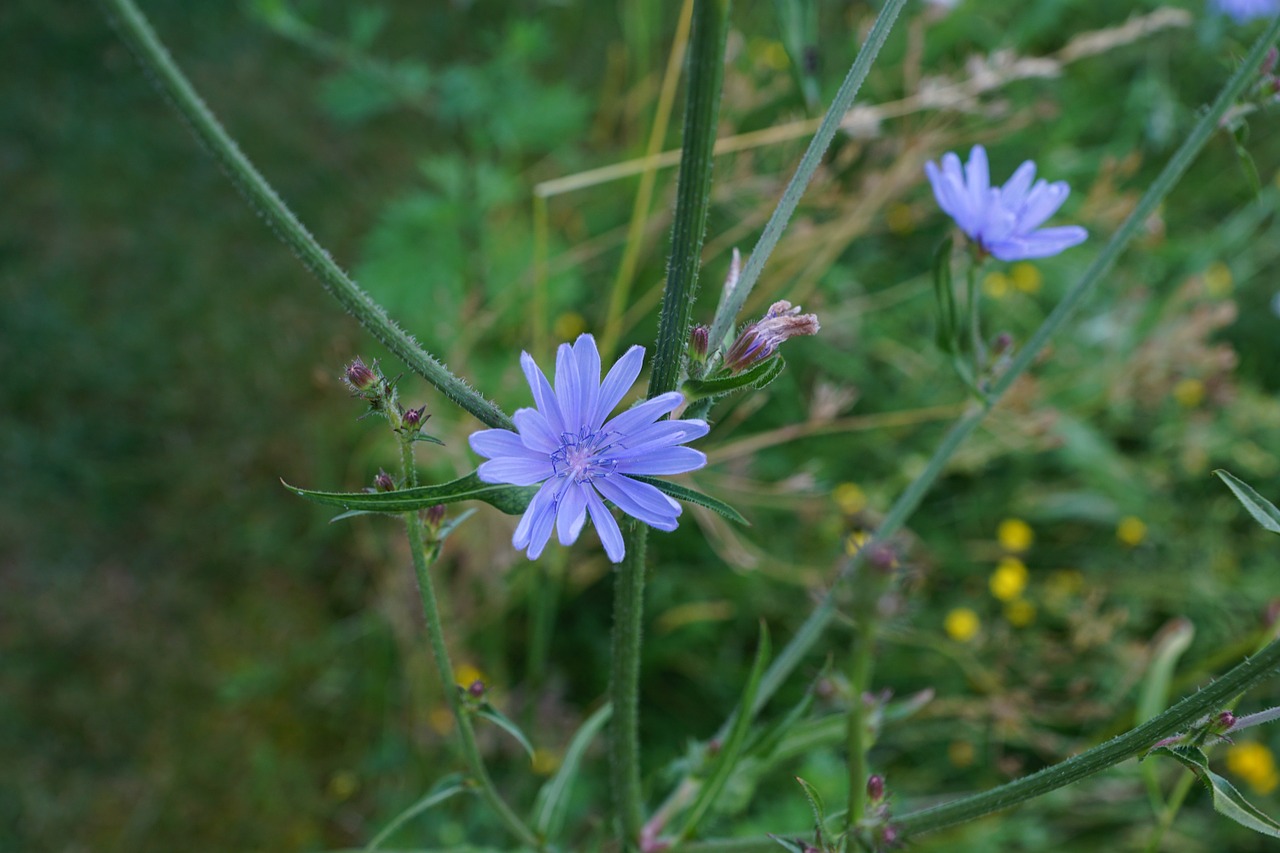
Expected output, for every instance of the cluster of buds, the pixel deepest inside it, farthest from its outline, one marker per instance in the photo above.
(369, 384)
(883, 835)
(760, 340)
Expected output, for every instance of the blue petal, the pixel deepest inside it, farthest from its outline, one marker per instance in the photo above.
(543, 397)
(640, 500)
(535, 431)
(1042, 202)
(666, 460)
(606, 526)
(588, 359)
(494, 443)
(569, 389)
(534, 528)
(516, 470)
(571, 514)
(616, 385)
(643, 414)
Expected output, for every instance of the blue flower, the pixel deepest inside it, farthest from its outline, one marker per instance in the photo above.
(583, 460)
(1243, 11)
(1003, 221)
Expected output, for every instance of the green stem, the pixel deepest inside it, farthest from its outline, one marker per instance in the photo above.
(153, 56)
(693, 195)
(1171, 809)
(731, 305)
(1132, 743)
(424, 555)
(860, 665)
(624, 685)
(975, 322)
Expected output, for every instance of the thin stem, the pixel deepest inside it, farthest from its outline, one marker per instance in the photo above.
(1171, 809)
(624, 685)
(974, 308)
(730, 307)
(1132, 743)
(860, 665)
(137, 32)
(424, 554)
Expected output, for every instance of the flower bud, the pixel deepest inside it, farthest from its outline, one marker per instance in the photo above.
(476, 690)
(759, 340)
(415, 418)
(434, 516)
(1225, 721)
(383, 482)
(360, 376)
(698, 341)
(875, 788)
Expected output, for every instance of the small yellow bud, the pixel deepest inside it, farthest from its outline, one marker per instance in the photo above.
(996, 285)
(854, 541)
(1015, 535)
(1026, 277)
(466, 675)
(850, 498)
(569, 325)
(1254, 763)
(962, 624)
(1131, 531)
(1009, 579)
(1020, 613)
(1189, 393)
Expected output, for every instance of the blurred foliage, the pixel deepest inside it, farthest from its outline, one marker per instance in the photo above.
(193, 659)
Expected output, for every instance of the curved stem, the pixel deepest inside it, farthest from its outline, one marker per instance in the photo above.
(137, 32)
(1132, 743)
(424, 554)
(731, 306)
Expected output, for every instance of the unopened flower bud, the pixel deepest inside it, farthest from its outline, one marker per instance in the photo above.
(1226, 720)
(415, 418)
(383, 482)
(360, 376)
(882, 558)
(698, 340)
(875, 788)
(889, 836)
(1002, 343)
(434, 516)
(476, 690)
(759, 340)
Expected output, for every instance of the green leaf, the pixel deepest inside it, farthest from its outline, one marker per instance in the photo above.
(1227, 801)
(816, 806)
(693, 496)
(1262, 510)
(788, 844)
(452, 524)
(757, 376)
(1154, 696)
(502, 721)
(948, 333)
(447, 787)
(731, 749)
(422, 436)
(552, 803)
(509, 499)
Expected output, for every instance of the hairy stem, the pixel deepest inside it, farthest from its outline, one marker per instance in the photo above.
(137, 32)
(624, 685)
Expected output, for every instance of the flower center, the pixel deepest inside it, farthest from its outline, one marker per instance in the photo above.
(580, 455)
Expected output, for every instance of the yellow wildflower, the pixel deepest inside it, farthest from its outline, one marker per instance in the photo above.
(1020, 613)
(466, 675)
(1026, 277)
(1254, 763)
(1189, 393)
(1009, 579)
(962, 624)
(854, 542)
(569, 325)
(850, 498)
(1015, 535)
(1131, 530)
(995, 284)
(1218, 279)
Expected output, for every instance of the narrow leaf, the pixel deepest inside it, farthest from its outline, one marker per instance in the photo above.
(1227, 801)
(509, 499)
(693, 496)
(493, 715)
(789, 845)
(1154, 696)
(816, 806)
(447, 787)
(452, 524)
(1263, 511)
(757, 377)
(553, 798)
(731, 749)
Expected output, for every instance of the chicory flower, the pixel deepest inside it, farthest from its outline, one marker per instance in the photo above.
(581, 459)
(1003, 221)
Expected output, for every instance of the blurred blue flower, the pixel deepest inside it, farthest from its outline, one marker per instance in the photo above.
(1003, 221)
(566, 444)
(1242, 11)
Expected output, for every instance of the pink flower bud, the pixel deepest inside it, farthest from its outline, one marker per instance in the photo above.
(383, 482)
(360, 376)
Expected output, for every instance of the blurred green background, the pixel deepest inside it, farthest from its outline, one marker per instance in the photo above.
(192, 659)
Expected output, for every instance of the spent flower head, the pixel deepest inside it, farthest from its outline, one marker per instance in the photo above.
(1003, 221)
(760, 340)
(580, 458)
